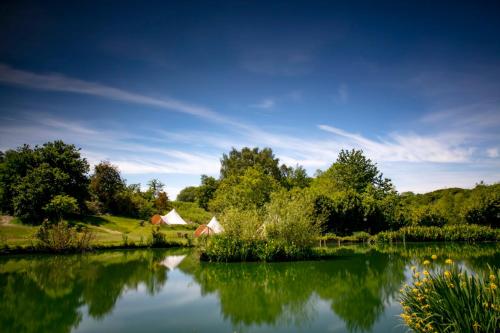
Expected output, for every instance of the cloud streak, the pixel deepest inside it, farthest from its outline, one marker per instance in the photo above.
(61, 83)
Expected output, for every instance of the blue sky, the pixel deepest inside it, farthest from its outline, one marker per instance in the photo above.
(162, 89)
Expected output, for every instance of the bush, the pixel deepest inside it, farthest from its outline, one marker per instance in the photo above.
(222, 248)
(452, 301)
(158, 238)
(62, 237)
(61, 206)
(459, 232)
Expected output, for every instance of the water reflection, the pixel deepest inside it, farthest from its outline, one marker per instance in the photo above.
(59, 293)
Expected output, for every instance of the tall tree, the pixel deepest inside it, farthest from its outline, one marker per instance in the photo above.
(354, 171)
(188, 194)
(238, 161)
(30, 178)
(106, 183)
(206, 190)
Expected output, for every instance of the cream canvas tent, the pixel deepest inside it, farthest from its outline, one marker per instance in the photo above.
(215, 225)
(172, 261)
(173, 218)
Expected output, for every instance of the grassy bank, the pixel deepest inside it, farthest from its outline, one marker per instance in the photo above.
(459, 232)
(108, 232)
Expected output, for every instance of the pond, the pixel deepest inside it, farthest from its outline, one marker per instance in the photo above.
(171, 291)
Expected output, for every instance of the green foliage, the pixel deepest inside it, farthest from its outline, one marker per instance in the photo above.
(237, 162)
(105, 184)
(452, 301)
(294, 177)
(158, 238)
(289, 219)
(206, 190)
(30, 178)
(251, 190)
(188, 194)
(352, 171)
(61, 206)
(484, 207)
(190, 211)
(61, 236)
(131, 202)
(427, 216)
(459, 232)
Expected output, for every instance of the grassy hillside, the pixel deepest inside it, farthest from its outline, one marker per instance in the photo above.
(109, 230)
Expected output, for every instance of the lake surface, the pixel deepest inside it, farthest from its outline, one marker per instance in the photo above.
(171, 291)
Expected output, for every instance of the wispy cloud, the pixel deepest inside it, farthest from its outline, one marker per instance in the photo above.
(266, 103)
(342, 94)
(61, 83)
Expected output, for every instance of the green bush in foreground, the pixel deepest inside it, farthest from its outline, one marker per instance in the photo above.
(451, 301)
(61, 236)
(459, 232)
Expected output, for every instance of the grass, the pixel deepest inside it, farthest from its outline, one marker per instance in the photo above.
(452, 233)
(109, 231)
(451, 301)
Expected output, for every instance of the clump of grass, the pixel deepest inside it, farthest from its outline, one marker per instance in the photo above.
(451, 300)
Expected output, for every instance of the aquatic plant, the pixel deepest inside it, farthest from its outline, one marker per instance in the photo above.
(451, 300)
(459, 232)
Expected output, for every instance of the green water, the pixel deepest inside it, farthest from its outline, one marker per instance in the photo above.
(170, 291)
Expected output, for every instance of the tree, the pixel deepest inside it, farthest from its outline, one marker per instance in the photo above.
(206, 190)
(353, 170)
(61, 206)
(188, 194)
(155, 187)
(30, 178)
(34, 191)
(237, 162)
(162, 203)
(483, 207)
(105, 184)
(294, 177)
(248, 191)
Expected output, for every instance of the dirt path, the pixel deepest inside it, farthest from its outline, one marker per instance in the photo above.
(5, 219)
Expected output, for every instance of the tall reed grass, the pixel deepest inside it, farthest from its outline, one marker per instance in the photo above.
(451, 300)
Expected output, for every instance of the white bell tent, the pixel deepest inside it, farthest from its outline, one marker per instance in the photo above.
(215, 225)
(173, 218)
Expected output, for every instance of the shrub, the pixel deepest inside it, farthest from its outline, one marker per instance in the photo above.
(62, 237)
(158, 238)
(452, 301)
(459, 232)
(61, 206)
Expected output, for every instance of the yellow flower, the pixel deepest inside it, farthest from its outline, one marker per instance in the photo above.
(426, 273)
(493, 286)
(425, 280)
(427, 262)
(451, 285)
(448, 261)
(413, 268)
(492, 277)
(434, 257)
(476, 326)
(416, 275)
(415, 290)
(406, 308)
(447, 274)
(418, 283)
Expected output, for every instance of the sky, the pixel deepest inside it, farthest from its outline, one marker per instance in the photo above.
(163, 89)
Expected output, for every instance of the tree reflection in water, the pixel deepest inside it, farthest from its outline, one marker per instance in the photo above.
(56, 293)
(45, 293)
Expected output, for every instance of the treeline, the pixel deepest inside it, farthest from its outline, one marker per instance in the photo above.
(53, 182)
(351, 195)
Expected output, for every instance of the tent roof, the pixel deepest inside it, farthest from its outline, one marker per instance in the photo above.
(203, 229)
(215, 225)
(173, 218)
